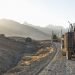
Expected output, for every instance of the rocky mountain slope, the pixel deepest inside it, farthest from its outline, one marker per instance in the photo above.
(50, 28)
(12, 28)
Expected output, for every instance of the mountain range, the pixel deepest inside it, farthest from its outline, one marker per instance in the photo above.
(13, 28)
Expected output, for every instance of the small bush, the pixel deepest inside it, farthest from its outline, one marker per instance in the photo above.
(28, 39)
(2, 35)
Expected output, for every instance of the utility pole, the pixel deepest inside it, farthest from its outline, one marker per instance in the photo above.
(52, 36)
(70, 26)
(61, 32)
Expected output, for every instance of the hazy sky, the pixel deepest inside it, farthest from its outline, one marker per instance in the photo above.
(39, 12)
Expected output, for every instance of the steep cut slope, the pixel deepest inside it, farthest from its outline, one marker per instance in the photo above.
(12, 28)
(10, 53)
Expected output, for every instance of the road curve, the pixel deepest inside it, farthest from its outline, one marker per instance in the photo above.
(57, 66)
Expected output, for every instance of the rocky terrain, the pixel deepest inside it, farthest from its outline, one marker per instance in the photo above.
(33, 58)
(30, 63)
(17, 56)
(11, 52)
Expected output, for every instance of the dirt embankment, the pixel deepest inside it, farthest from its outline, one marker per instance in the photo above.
(29, 64)
(10, 53)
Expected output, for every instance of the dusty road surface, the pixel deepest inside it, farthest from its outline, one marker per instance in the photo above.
(59, 65)
(70, 65)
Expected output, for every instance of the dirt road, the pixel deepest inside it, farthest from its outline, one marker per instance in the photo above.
(70, 65)
(57, 66)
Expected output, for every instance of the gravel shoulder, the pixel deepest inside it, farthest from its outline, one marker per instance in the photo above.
(70, 67)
